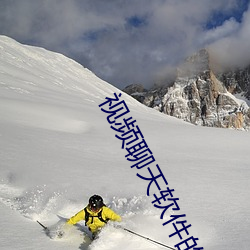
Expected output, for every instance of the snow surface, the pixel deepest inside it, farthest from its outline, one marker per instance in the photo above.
(57, 149)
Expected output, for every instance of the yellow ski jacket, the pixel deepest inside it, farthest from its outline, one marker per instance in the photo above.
(94, 223)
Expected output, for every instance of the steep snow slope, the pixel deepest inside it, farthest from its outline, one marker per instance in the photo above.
(57, 149)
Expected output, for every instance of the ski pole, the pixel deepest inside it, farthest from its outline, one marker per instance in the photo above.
(147, 238)
(45, 228)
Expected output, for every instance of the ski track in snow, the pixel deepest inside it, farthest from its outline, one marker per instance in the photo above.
(43, 117)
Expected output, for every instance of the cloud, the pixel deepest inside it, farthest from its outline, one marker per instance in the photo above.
(126, 42)
(228, 28)
(233, 48)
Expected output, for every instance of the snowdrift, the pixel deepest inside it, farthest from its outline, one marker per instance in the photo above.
(57, 149)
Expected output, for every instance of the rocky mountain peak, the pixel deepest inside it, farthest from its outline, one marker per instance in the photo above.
(200, 96)
(196, 64)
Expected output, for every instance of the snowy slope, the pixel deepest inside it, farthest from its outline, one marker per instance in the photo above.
(57, 149)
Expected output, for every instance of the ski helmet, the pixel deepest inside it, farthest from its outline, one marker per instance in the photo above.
(96, 202)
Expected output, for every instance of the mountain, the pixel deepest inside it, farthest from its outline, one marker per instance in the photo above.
(201, 96)
(57, 149)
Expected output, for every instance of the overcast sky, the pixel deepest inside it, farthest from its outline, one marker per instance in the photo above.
(131, 41)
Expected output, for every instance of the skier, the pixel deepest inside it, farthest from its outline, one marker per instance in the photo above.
(95, 214)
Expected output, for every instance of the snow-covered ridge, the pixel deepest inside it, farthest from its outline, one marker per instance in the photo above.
(35, 68)
(32, 74)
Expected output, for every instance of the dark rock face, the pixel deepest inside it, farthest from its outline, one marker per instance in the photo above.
(137, 91)
(237, 81)
(200, 97)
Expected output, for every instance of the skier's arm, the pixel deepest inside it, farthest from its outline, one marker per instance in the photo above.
(77, 217)
(110, 214)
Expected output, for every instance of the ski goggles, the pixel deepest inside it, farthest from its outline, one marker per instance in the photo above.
(94, 208)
